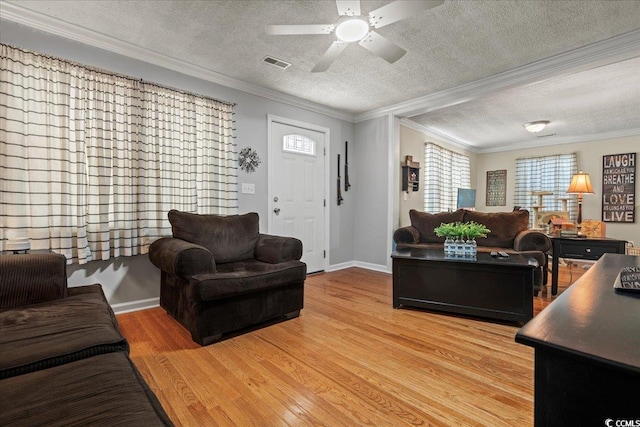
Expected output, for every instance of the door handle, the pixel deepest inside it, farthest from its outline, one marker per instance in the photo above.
(277, 211)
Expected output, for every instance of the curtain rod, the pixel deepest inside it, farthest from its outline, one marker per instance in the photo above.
(113, 73)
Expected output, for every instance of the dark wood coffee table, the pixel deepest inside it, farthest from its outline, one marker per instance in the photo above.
(496, 288)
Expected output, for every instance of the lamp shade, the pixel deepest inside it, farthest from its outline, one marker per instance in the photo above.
(580, 184)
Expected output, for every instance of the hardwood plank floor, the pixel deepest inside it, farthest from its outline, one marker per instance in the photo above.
(350, 359)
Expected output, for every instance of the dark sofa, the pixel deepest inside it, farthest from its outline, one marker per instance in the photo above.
(509, 232)
(219, 274)
(63, 360)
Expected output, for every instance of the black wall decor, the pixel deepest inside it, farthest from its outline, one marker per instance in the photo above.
(619, 187)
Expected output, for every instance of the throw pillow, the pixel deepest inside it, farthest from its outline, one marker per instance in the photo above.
(425, 223)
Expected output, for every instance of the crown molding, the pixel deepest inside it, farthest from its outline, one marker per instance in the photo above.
(534, 143)
(537, 143)
(616, 49)
(38, 21)
(432, 133)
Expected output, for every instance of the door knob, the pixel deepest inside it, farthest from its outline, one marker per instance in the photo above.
(277, 211)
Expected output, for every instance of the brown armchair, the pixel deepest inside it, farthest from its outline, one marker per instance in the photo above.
(219, 274)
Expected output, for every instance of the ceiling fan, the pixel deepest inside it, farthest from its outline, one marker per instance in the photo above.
(352, 26)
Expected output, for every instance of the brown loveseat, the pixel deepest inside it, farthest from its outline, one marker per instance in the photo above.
(219, 274)
(63, 360)
(509, 233)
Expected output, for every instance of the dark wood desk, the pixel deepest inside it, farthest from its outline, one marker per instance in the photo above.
(579, 248)
(587, 351)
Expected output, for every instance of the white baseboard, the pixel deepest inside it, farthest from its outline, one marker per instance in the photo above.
(341, 266)
(375, 267)
(360, 264)
(127, 307)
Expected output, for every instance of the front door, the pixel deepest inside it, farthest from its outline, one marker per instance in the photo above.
(296, 190)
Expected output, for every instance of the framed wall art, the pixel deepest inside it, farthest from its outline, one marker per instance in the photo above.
(496, 188)
(619, 187)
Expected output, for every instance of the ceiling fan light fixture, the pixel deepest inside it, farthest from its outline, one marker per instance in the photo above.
(535, 127)
(352, 29)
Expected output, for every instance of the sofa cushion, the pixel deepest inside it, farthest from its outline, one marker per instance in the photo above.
(245, 277)
(104, 390)
(229, 238)
(504, 226)
(425, 223)
(52, 333)
(32, 278)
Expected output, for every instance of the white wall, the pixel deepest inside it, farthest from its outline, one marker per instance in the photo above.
(589, 155)
(371, 161)
(127, 280)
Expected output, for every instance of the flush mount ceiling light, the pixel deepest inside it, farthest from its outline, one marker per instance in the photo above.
(352, 29)
(535, 127)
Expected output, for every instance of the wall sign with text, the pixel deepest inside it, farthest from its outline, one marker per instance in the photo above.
(496, 188)
(619, 187)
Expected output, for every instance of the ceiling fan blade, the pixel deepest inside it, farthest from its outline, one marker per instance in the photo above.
(291, 30)
(348, 7)
(400, 9)
(385, 49)
(329, 56)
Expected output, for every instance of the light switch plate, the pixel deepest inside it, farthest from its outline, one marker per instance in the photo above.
(248, 188)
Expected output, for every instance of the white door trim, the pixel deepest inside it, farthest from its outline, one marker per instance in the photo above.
(327, 176)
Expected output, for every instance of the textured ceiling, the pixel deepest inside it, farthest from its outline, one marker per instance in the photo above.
(457, 43)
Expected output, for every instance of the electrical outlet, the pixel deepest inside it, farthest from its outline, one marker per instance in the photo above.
(247, 188)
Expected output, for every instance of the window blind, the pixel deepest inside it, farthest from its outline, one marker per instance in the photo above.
(546, 173)
(445, 171)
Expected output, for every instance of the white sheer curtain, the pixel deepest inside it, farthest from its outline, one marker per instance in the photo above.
(444, 172)
(91, 162)
(545, 173)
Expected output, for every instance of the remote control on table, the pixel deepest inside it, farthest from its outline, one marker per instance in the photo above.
(503, 254)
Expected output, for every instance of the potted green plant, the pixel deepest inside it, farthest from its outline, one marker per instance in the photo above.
(460, 238)
(472, 230)
(452, 233)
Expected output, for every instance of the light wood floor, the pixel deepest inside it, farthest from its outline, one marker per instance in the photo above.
(350, 359)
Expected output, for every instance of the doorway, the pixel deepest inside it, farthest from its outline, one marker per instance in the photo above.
(297, 186)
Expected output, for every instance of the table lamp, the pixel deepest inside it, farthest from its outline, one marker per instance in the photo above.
(580, 184)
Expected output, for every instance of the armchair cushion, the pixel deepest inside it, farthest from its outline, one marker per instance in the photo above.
(181, 258)
(504, 226)
(229, 238)
(277, 249)
(43, 277)
(245, 277)
(425, 223)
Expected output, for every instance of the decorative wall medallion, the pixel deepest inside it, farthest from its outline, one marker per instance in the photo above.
(248, 160)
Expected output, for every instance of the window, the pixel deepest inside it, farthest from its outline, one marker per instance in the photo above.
(299, 144)
(445, 171)
(91, 161)
(547, 173)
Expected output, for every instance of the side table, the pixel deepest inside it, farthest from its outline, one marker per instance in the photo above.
(581, 248)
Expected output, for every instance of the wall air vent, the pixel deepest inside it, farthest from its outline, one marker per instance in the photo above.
(276, 62)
